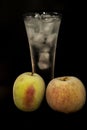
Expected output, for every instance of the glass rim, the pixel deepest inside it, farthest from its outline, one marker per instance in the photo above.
(51, 13)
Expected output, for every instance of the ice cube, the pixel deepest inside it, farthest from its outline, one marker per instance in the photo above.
(51, 39)
(37, 16)
(43, 65)
(39, 37)
(48, 28)
(38, 40)
(46, 17)
(45, 48)
(44, 56)
(29, 20)
(44, 60)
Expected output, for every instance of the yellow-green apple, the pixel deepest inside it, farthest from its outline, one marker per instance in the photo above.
(28, 91)
(66, 94)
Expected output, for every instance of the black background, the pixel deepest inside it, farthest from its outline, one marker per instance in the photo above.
(15, 59)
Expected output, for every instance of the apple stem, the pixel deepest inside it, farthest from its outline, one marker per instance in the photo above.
(32, 69)
(65, 78)
(32, 62)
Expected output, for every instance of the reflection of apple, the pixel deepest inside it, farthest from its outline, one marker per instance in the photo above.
(66, 94)
(28, 91)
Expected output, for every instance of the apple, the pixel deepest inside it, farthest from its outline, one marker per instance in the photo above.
(66, 94)
(28, 91)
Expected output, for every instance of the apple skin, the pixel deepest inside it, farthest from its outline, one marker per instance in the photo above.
(28, 91)
(66, 94)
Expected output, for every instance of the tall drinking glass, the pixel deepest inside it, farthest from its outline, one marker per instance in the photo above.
(42, 31)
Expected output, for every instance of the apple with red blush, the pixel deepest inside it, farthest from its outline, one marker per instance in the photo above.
(28, 91)
(66, 94)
